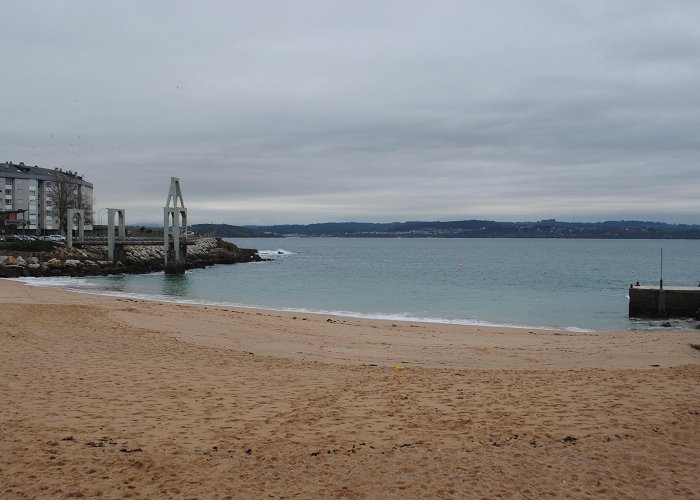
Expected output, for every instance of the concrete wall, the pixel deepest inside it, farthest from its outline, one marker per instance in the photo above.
(646, 302)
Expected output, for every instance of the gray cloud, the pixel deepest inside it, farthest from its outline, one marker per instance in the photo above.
(313, 111)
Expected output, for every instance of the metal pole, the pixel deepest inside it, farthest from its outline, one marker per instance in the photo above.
(661, 278)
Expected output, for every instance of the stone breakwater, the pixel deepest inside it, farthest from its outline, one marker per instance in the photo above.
(92, 260)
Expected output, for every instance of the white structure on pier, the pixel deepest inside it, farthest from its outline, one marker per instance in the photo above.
(111, 230)
(175, 229)
(72, 214)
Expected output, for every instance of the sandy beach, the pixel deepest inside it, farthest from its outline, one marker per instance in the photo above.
(114, 398)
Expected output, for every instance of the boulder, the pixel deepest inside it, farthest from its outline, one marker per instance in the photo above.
(55, 264)
(11, 271)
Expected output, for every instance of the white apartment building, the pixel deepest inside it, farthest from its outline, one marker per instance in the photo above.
(31, 190)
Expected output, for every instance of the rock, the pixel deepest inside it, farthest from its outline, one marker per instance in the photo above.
(11, 271)
(91, 265)
(55, 264)
(133, 259)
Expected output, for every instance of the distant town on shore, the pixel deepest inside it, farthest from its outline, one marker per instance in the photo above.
(549, 228)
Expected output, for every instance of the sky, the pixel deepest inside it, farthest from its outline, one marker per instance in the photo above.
(313, 111)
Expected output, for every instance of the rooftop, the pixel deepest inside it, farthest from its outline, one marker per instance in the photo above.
(20, 170)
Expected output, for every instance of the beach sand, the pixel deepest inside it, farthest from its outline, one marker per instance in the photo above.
(118, 398)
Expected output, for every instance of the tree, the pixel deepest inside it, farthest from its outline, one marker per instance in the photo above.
(62, 195)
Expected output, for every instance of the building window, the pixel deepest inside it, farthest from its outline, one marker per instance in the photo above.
(8, 191)
(49, 203)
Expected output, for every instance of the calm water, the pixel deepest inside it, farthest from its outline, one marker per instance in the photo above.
(574, 284)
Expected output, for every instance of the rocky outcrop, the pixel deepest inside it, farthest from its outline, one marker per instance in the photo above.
(135, 259)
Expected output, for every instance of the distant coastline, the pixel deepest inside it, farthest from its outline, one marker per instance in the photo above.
(549, 228)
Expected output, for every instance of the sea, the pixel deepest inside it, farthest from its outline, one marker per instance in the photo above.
(560, 284)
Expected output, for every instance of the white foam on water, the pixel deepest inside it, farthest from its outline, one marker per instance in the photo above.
(408, 318)
(57, 282)
(268, 254)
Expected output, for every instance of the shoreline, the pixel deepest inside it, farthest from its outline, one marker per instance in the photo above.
(118, 398)
(682, 324)
(328, 337)
(36, 281)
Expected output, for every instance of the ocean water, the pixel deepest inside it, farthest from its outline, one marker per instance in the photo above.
(579, 285)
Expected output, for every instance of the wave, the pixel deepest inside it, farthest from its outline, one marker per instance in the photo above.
(268, 254)
(409, 318)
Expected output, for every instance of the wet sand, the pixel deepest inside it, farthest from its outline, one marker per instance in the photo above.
(123, 398)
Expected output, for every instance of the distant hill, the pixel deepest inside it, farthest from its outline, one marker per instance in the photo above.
(225, 231)
(550, 228)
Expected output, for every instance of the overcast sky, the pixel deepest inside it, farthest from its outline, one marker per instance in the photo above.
(310, 111)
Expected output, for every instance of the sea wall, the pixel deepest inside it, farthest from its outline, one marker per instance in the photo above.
(135, 259)
(676, 302)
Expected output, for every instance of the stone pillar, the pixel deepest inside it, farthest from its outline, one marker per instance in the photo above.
(111, 237)
(175, 230)
(72, 212)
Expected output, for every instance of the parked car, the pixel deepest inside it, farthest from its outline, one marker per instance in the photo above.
(57, 237)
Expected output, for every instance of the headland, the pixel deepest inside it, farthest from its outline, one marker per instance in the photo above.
(40, 258)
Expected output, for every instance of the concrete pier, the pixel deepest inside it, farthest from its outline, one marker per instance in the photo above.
(666, 302)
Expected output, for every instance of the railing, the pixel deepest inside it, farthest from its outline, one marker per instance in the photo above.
(129, 240)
